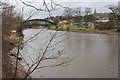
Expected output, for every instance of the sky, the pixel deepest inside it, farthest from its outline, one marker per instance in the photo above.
(89, 0)
(99, 5)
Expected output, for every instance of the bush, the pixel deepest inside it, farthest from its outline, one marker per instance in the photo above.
(104, 25)
(118, 29)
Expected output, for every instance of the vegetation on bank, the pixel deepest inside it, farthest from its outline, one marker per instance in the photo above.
(11, 20)
(84, 29)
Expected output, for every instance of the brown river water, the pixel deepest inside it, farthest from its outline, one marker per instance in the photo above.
(96, 54)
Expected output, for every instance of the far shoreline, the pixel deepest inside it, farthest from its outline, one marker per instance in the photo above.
(93, 31)
(108, 32)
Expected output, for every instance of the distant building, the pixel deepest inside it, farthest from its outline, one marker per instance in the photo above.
(87, 24)
(95, 12)
(102, 17)
(66, 23)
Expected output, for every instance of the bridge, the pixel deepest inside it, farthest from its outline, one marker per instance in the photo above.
(38, 23)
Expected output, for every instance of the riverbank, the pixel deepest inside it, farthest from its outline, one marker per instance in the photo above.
(8, 62)
(85, 30)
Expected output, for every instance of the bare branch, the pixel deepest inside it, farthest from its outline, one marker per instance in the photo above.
(55, 56)
(33, 36)
(59, 64)
(32, 6)
(37, 64)
(25, 60)
(29, 17)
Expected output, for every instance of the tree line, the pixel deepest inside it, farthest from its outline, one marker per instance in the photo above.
(88, 15)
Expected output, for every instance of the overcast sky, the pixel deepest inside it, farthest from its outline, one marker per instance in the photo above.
(99, 5)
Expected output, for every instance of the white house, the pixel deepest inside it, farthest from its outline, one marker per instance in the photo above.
(102, 17)
(102, 20)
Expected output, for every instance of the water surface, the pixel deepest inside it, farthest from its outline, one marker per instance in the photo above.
(97, 55)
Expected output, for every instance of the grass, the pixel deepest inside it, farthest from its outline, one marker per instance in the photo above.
(81, 29)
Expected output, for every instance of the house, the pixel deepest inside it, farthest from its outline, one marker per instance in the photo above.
(102, 17)
(65, 23)
(102, 20)
(86, 24)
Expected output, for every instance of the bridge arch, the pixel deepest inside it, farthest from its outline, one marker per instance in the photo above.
(38, 22)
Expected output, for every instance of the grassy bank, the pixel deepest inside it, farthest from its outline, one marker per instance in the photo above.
(83, 29)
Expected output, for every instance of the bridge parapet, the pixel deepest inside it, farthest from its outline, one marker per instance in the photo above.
(38, 22)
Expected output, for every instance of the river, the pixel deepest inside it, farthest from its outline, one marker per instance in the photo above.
(96, 54)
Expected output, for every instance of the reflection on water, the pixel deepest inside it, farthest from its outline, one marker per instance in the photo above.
(97, 55)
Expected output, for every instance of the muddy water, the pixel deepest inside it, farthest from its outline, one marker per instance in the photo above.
(97, 55)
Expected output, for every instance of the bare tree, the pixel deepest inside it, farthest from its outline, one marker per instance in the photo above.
(78, 15)
(68, 12)
(87, 15)
(7, 16)
(114, 9)
(46, 53)
(10, 21)
(78, 11)
(114, 14)
(88, 11)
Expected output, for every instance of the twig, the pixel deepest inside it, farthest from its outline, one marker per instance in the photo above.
(33, 36)
(37, 64)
